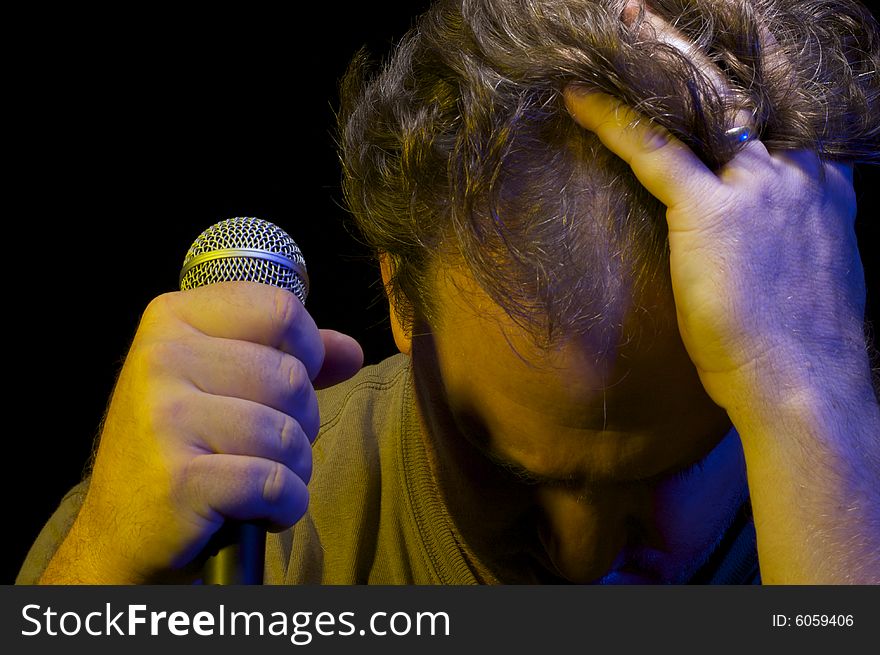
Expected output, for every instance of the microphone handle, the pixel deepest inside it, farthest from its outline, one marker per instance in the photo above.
(238, 552)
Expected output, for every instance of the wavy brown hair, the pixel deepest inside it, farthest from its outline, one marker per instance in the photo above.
(459, 148)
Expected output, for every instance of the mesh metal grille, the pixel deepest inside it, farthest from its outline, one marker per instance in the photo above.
(273, 257)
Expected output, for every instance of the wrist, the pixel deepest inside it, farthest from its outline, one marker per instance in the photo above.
(822, 409)
(85, 557)
(794, 381)
(811, 451)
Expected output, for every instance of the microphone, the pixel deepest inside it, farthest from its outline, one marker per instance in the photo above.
(243, 249)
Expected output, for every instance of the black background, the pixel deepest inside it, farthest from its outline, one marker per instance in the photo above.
(133, 131)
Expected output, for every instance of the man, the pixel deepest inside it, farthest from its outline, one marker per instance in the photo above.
(571, 403)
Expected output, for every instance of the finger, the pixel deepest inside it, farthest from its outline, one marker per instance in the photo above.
(665, 166)
(343, 357)
(232, 426)
(248, 311)
(244, 489)
(655, 28)
(248, 371)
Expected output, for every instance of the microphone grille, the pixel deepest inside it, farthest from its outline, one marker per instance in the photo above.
(245, 249)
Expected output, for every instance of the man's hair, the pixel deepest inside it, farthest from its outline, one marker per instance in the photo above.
(460, 150)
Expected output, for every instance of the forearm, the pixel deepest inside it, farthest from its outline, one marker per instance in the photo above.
(80, 559)
(812, 448)
(71, 565)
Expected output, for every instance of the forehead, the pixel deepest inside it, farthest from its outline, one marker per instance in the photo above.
(625, 404)
(479, 333)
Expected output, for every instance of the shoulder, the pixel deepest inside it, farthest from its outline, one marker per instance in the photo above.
(361, 421)
(374, 389)
(356, 471)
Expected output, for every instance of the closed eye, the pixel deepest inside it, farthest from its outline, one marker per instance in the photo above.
(525, 476)
(528, 477)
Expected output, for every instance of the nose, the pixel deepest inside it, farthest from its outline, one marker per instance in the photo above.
(583, 534)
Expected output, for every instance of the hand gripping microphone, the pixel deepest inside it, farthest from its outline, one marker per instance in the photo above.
(245, 250)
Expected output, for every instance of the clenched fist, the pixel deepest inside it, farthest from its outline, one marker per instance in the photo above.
(212, 418)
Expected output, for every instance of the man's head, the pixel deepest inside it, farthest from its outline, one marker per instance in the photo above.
(535, 264)
(460, 151)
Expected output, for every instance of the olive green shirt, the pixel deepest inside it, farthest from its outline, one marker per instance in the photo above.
(375, 513)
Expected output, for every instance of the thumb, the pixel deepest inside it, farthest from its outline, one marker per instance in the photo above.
(343, 357)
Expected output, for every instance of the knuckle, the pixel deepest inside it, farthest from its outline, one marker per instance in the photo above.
(296, 377)
(158, 357)
(274, 484)
(169, 412)
(286, 307)
(158, 308)
(650, 137)
(288, 435)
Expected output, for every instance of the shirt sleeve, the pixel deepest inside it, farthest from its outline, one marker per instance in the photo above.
(51, 536)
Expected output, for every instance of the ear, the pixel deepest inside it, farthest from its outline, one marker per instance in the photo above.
(401, 338)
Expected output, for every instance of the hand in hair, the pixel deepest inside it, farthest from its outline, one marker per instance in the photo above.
(769, 293)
